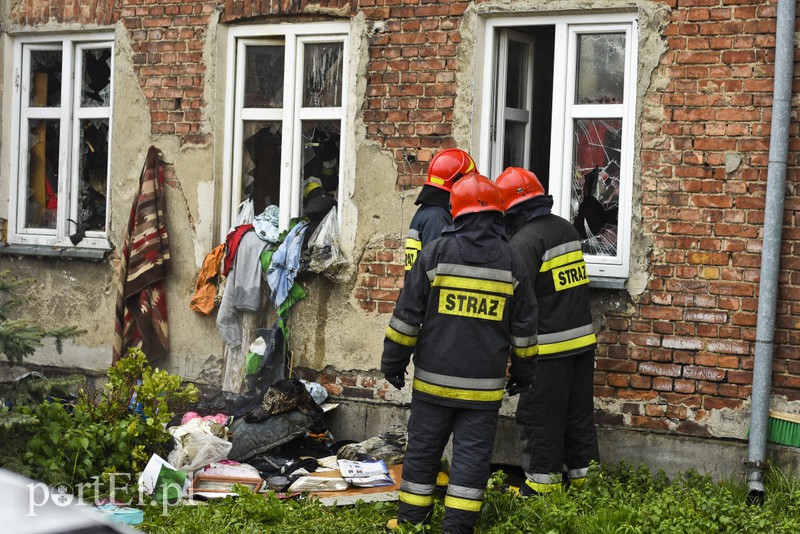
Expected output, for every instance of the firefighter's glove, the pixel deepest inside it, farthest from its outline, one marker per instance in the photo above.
(397, 381)
(514, 387)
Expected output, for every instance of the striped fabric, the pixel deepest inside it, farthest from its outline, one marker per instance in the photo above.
(141, 311)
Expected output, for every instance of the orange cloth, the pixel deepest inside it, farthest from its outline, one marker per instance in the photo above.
(205, 289)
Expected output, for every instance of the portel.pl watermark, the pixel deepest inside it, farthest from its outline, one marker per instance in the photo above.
(39, 493)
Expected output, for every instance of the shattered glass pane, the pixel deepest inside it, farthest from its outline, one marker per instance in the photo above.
(263, 72)
(320, 178)
(601, 68)
(93, 171)
(96, 78)
(517, 74)
(42, 181)
(45, 82)
(514, 145)
(322, 75)
(594, 202)
(261, 163)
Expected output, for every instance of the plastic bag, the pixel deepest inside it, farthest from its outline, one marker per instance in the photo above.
(245, 213)
(323, 248)
(196, 446)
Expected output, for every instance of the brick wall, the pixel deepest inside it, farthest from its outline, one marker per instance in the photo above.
(686, 348)
(705, 137)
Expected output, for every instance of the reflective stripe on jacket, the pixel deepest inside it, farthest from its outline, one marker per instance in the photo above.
(551, 248)
(462, 321)
(426, 225)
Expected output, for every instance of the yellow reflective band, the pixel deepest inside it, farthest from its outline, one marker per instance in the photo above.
(462, 504)
(436, 180)
(310, 187)
(468, 304)
(416, 500)
(458, 394)
(526, 352)
(542, 488)
(413, 246)
(471, 166)
(559, 261)
(570, 276)
(564, 346)
(401, 339)
(458, 282)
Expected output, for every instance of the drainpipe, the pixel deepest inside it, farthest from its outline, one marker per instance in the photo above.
(771, 248)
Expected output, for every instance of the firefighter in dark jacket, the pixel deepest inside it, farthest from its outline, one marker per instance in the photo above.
(555, 417)
(433, 214)
(467, 304)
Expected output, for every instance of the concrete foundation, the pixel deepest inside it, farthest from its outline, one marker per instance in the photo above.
(720, 459)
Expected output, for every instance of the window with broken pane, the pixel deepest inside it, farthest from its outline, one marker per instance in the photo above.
(594, 203)
(64, 137)
(288, 105)
(261, 163)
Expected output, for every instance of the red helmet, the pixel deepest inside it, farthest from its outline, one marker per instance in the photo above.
(518, 185)
(448, 166)
(474, 193)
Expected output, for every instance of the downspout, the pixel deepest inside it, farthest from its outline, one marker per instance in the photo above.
(771, 249)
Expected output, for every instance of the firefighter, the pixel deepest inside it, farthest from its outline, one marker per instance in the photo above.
(466, 305)
(555, 417)
(433, 213)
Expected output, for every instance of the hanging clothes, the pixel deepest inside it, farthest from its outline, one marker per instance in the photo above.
(205, 289)
(285, 264)
(141, 311)
(242, 289)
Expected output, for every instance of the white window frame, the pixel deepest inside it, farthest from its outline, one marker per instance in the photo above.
(567, 30)
(291, 115)
(70, 113)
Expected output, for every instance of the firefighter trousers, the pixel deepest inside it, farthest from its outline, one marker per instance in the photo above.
(556, 422)
(429, 428)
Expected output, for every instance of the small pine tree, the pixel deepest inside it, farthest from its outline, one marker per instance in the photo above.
(20, 337)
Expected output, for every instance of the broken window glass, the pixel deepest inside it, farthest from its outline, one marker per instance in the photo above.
(320, 178)
(45, 82)
(96, 78)
(263, 82)
(322, 75)
(93, 171)
(601, 68)
(594, 203)
(261, 163)
(42, 182)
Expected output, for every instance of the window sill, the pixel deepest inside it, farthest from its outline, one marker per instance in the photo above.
(67, 253)
(606, 282)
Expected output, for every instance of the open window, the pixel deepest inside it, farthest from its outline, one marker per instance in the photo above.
(62, 102)
(286, 103)
(559, 99)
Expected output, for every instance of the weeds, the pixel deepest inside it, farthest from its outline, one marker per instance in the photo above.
(619, 500)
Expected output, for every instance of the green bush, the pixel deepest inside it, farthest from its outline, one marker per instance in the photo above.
(99, 434)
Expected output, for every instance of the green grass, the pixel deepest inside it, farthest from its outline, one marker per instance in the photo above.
(621, 500)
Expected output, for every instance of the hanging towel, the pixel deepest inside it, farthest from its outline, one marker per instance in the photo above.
(141, 311)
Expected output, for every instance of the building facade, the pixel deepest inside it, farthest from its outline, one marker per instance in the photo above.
(648, 121)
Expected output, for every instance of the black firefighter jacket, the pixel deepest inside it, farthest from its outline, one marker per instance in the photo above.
(551, 249)
(466, 304)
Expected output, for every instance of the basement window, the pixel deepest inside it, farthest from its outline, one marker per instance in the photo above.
(559, 99)
(286, 104)
(62, 98)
